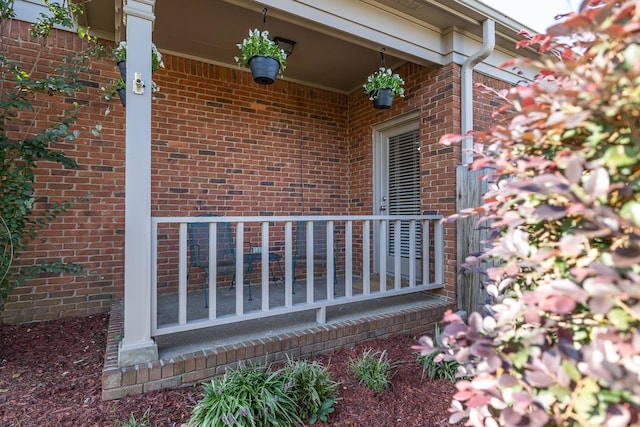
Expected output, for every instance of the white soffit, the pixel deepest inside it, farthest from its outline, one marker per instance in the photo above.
(368, 25)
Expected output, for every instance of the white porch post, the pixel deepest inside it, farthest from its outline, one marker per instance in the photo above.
(137, 345)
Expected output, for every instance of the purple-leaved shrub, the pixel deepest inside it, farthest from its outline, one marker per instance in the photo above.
(561, 345)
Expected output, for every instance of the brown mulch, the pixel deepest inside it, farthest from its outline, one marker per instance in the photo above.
(50, 375)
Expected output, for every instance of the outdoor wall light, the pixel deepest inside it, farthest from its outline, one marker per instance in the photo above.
(285, 44)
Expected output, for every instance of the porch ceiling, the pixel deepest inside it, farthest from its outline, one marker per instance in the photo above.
(323, 56)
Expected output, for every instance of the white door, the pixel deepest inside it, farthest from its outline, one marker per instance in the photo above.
(397, 187)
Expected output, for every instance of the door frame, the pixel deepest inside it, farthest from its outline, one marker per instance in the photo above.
(408, 121)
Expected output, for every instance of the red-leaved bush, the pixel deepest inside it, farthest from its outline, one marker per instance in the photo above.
(561, 345)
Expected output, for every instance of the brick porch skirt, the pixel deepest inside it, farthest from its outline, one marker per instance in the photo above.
(202, 365)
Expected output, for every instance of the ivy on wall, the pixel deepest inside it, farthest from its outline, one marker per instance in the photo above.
(23, 146)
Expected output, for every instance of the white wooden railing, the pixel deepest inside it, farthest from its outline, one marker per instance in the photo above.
(429, 249)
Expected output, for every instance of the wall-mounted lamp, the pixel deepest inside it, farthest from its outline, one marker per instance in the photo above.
(285, 44)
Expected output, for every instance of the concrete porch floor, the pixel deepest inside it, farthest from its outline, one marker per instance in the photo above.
(193, 356)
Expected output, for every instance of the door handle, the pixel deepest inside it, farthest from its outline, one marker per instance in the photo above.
(383, 208)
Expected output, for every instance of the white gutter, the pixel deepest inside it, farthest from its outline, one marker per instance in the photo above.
(488, 44)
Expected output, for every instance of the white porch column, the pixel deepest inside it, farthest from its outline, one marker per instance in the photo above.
(137, 345)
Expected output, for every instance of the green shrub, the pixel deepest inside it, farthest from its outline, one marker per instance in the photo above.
(251, 395)
(438, 365)
(561, 345)
(254, 395)
(322, 413)
(373, 369)
(312, 388)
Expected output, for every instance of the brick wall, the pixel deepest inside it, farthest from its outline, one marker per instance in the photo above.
(91, 233)
(201, 365)
(220, 144)
(485, 101)
(435, 94)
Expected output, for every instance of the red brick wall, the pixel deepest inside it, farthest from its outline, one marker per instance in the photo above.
(90, 233)
(485, 101)
(225, 145)
(435, 94)
(221, 144)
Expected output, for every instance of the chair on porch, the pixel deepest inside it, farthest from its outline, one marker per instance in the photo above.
(198, 245)
(252, 257)
(319, 249)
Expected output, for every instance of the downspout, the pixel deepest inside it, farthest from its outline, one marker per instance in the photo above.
(488, 44)
(468, 191)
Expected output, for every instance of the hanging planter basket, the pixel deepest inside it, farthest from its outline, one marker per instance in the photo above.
(120, 57)
(383, 99)
(383, 85)
(264, 69)
(122, 66)
(122, 93)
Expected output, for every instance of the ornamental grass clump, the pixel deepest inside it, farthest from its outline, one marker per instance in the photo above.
(143, 421)
(251, 395)
(373, 369)
(312, 388)
(561, 345)
(255, 395)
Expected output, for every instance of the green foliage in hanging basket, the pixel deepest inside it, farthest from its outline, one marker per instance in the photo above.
(120, 54)
(384, 78)
(111, 90)
(259, 43)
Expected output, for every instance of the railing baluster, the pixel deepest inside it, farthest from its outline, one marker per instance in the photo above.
(265, 266)
(439, 252)
(412, 253)
(426, 252)
(366, 257)
(348, 258)
(182, 280)
(239, 268)
(288, 271)
(154, 276)
(213, 273)
(397, 253)
(329, 262)
(382, 236)
(310, 272)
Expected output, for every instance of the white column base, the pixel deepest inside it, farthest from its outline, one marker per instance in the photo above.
(137, 354)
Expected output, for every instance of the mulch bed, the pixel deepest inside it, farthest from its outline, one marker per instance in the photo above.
(50, 375)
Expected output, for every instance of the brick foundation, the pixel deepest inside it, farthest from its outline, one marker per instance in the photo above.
(202, 365)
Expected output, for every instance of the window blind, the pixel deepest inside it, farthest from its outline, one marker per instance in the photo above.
(404, 186)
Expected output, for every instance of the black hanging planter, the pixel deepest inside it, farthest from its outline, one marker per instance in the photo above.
(122, 93)
(264, 69)
(122, 66)
(382, 99)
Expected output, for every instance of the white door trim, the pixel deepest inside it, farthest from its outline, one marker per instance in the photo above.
(406, 122)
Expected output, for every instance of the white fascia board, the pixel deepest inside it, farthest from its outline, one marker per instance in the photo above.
(500, 17)
(30, 11)
(376, 27)
(461, 45)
